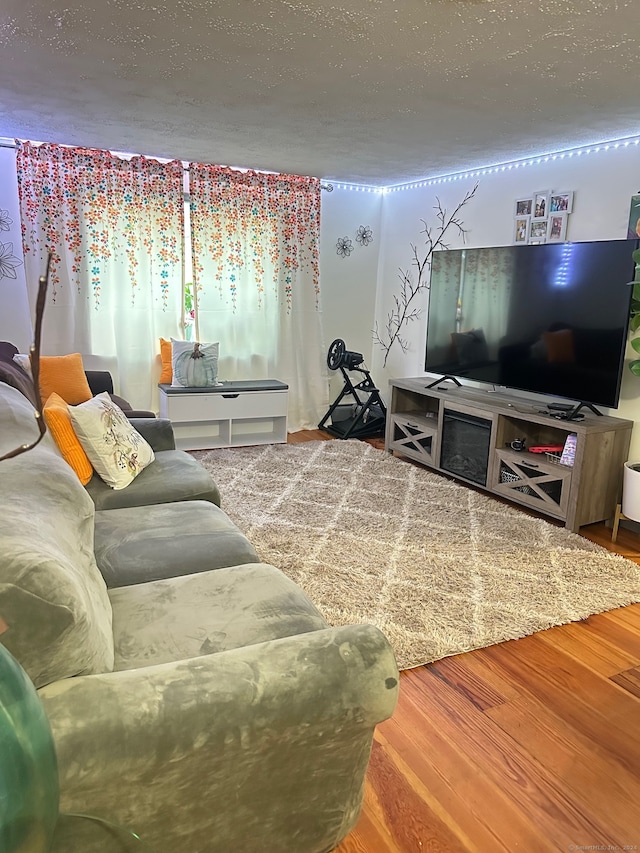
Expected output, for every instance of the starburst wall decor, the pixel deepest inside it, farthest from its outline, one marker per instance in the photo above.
(364, 235)
(344, 247)
(5, 220)
(8, 261)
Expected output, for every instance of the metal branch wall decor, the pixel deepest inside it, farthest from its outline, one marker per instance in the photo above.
(404, 309)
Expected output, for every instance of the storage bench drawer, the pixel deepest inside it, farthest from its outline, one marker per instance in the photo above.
(243, 404)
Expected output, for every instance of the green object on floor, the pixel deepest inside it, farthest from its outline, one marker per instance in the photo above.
(28, 768)
(29, 796)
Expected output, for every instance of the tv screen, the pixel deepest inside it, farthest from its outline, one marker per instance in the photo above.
(549, 318)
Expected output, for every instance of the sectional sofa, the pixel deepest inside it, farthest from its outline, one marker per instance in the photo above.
(195, 694)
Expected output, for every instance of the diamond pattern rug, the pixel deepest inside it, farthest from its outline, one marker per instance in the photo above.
(438, 567)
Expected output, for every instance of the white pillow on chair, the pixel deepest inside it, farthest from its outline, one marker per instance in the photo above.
(195, 365)
(24, 361)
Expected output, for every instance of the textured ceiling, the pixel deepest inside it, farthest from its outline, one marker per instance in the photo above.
(369, 91)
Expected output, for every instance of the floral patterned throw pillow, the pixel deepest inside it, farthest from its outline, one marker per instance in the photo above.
(116, 450)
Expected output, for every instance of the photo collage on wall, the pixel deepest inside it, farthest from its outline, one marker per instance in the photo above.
(542, 217)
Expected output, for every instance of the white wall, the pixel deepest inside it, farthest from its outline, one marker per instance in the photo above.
(349, 284)
(602, 182)
(15, 322)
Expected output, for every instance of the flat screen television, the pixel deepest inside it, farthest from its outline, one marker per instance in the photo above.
(550, 319)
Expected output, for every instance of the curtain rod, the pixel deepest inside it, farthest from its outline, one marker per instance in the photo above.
(327, 187)
(5, 143)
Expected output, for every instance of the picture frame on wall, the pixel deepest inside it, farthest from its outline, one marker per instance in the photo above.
(538, 230)
(521, 229)
(523, 206)
(557, 228)
(540, 205)
(561, 202)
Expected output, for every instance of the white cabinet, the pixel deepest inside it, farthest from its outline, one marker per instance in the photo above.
(229, 415)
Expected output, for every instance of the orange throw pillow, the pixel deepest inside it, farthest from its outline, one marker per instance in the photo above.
(166, 377)
(58, 420)
(64, 375)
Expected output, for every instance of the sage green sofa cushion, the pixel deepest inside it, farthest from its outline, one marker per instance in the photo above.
(173, 476)
(52, 595)
(147, 543)
(223, 609)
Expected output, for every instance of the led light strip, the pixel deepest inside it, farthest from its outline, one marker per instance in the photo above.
(583, 150)
(361, 188)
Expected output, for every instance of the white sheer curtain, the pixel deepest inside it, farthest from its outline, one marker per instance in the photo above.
(255, 243)
(115, 228)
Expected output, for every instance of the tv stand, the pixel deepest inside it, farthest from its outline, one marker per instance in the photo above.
(464, 434)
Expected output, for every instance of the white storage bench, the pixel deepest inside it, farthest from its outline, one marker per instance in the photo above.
(233, 414)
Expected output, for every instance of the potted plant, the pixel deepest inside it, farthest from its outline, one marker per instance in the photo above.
(634, 319)
(631, 479)
(189, 311)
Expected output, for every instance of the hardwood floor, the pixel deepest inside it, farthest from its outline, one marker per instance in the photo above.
(532, 745)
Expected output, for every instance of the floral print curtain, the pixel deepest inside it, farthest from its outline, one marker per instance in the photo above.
(255, 245)
(115, 228)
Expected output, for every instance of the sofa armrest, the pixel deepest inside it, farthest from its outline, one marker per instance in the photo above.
(130, 412)
(122, 404)
(157, 431)
(137, 413)
(258, 748)
(101, 380)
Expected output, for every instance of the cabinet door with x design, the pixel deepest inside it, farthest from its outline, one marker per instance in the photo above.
(415, 435)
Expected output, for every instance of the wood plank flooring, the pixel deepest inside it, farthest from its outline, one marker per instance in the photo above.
(531, 745)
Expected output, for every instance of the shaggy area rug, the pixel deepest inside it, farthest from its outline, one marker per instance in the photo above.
(438, 567)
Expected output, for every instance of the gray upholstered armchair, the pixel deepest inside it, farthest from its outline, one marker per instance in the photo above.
(101, 380)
